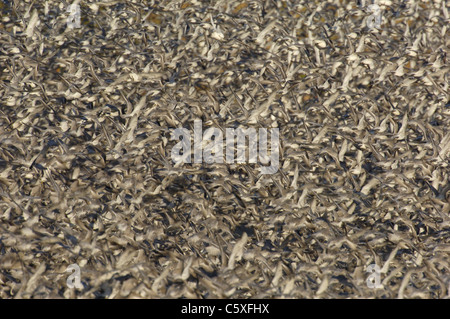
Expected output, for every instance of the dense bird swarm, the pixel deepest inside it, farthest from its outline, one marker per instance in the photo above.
(86, 174)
